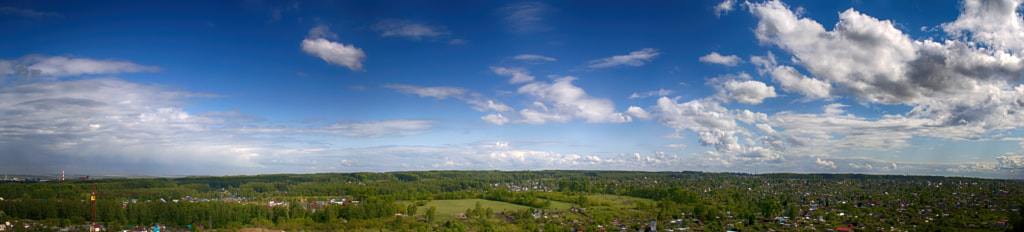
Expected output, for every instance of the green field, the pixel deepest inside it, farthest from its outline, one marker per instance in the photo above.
(558, 205)
(617, 201)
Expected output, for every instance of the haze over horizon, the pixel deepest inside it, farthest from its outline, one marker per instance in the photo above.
(259, 87)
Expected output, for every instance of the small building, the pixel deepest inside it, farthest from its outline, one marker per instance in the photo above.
(1002, 223)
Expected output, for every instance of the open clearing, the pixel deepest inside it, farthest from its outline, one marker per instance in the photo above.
(448, 208)
(617, 201)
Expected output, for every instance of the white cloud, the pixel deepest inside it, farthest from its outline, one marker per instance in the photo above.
(834, 109)
(654, 93)
(996, 23)
(444, 92)
(716, 127)
(858, 166)
(321, 31)
(767, 129)
(638, 112)
(748, 116)
(677, 146)
(110, 122)
(635, 58)
(567, 102)
(963, 88)
(825, 164)
(518, 75)
(872, 60)
(377, 128)
(496, 119)
(861, 53)
(556, 101)
(534, 57)
(724, 7)
(332, 52)
(409, 29)
(525, 17)
(1011, 162)
(748, 92)
(32, 66)
(892, 167)
(715, 58)
(439, 92)
(792, 81)
(696, 115)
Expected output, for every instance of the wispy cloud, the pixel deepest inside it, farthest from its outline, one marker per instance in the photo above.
(479, 102)
(32, 66)
(525, 17)
(517, 75)
(408, 29)
(27, 13)
(635, 58)
(439, 92)
(533, 57)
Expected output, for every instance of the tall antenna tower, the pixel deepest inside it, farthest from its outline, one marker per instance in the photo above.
(93, 198)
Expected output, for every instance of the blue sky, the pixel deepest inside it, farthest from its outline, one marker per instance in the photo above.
(251, 87)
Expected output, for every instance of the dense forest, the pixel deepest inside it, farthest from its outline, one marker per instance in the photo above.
(522, 201)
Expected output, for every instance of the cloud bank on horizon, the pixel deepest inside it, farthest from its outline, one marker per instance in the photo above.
(766, 86)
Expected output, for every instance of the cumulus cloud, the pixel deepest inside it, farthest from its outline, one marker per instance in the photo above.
(316, 44)
(534, 57)
(717, 127)
(654, 93)
(874, 61)
(859, 52)
(560, 101)
(635, 58)
(962, 88)
(408, 29)
(696, 115)
(496, 119)
(825, 164)
(792, 81)
(748, 92)
(556, 101)
(1011, 162)
(996, 23)
(638, 112)
(724, 7)
(715, 58)
(892, 167)
(518, 75)
(32, 66)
